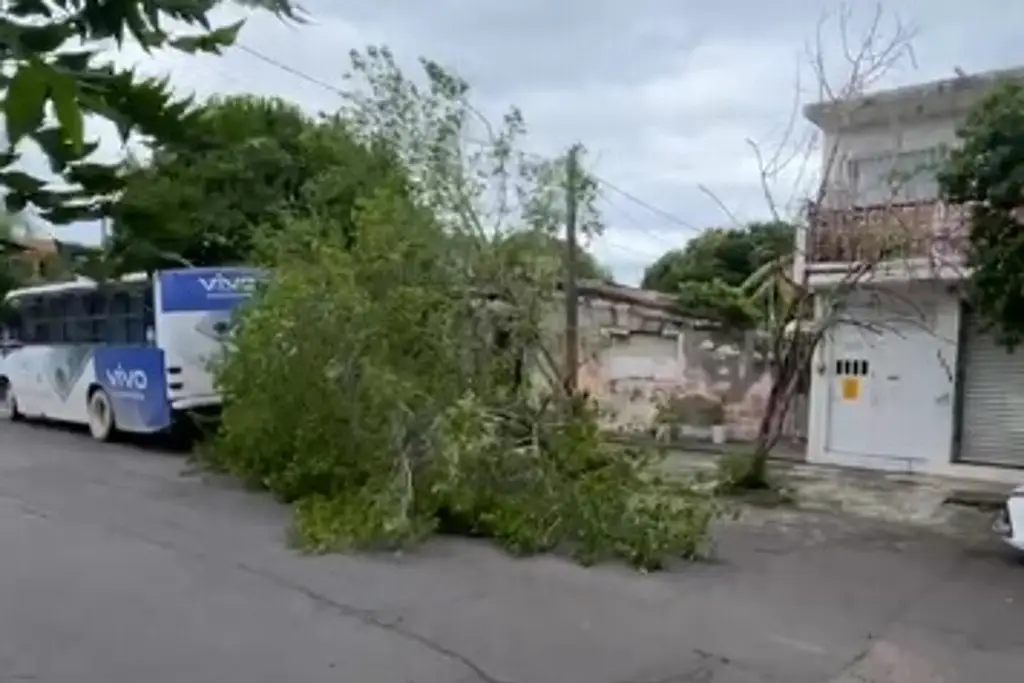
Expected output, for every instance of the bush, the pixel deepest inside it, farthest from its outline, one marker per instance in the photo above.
(562, 486)
(364, 388)
(738, 472)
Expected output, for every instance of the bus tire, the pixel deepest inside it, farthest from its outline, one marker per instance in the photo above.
(102, 425)
(8, 401)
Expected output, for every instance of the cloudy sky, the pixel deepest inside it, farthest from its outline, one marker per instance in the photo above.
(663, 93)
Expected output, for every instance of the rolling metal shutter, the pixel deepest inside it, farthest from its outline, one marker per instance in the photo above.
(992, 416)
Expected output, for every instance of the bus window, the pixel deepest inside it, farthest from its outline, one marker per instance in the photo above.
(36, 325)
(80, 317)
(28, 314)
(10, 328)
(69, 315)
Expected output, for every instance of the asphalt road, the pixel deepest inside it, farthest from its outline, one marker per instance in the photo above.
(115, 567)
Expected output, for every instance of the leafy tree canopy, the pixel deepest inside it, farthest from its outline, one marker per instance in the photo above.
(730, 255)
(247, 163)
(53, 57)
(986, 171)
(524, 248)
(736, 275)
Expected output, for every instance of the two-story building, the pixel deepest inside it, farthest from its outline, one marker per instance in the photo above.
(905, 380)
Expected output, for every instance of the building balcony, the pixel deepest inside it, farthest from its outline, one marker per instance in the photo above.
(928, 231)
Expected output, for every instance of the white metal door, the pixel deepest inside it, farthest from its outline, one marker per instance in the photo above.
(890, 387)
(851, 390)
(992, 401)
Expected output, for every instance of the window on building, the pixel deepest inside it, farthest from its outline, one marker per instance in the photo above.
(896, 177)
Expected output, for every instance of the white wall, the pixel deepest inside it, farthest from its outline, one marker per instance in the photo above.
(912, 440)
(871, 141)
(897, 137)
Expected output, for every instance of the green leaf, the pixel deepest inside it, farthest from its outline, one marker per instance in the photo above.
(51, 140)
(74, 62)
(64, 95)
(22, 182)
(25, 104)
(15, 202)
(213, 42)
(285, 9)
(48, 199)
(135, 21)
(96, 179)
(46, 38)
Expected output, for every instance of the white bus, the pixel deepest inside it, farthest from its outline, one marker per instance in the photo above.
(127, 355)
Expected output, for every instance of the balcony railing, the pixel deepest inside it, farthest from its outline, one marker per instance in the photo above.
(870, 234)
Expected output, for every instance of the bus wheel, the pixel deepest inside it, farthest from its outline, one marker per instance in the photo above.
(8, 402)
(101, 416)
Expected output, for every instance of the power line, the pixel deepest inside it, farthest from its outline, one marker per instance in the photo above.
(672, 218)
(290, 69)
(338, 91)
(640, 226)
(605, 243)
(624, 248)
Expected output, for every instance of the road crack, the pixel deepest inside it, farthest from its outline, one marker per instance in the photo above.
(373, 618)
(368, 617)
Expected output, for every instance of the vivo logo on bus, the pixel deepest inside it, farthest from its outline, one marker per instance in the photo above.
(127, 380)
(221, 284)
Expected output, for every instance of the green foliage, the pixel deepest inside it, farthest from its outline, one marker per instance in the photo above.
(737, 276)
(716, 300)
(53, 56)
(730, 255)
(362, 389)
(740, 472)
(746, 476)
(386, 386)
(986, 172)
(247, 162)
(525, 249)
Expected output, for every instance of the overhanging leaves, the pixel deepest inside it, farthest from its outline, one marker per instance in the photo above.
(213, 42)
(986, 172)
(64, 95)
(21, 182)
(32, 38)
(25, 100)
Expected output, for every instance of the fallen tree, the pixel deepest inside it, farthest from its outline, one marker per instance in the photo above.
(392, 388)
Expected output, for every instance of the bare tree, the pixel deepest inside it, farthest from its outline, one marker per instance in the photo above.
(803, 316)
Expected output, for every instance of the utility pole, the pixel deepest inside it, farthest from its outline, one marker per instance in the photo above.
(572, 302)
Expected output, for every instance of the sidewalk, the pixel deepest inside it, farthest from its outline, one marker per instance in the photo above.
(940, 503)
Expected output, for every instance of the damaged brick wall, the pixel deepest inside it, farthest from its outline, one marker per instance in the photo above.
(653, 372)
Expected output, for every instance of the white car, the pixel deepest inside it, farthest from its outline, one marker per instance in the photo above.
(1010, 522)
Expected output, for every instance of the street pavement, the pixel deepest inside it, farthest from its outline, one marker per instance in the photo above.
(117, 565)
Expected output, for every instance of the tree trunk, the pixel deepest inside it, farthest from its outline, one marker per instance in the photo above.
(766, 438)
(784, 385)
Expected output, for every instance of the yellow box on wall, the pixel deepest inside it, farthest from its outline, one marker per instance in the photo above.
(851, 388)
